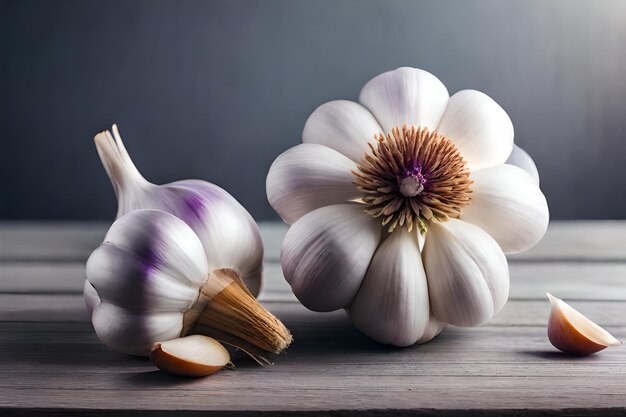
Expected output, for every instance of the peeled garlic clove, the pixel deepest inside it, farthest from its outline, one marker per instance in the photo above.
(571, 332)
(190, 356)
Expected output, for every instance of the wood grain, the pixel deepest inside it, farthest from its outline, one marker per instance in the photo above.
(51, 362)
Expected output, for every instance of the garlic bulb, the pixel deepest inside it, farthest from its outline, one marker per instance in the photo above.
(150, 281)
(402, 207)
(228, 233)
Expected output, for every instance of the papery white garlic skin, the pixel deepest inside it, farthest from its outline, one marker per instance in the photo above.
(392, 304)
(468, 276)
(573, 333)
(501, 211)
(146, 274)
(229, 235)
(313, 257)
(521, 159)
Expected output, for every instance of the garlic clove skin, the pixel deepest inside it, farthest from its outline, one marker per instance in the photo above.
(392, 304)
(405, 96)
(307, 177)
(520, 158)
(193, 356)
(507, 204)
(151, 253)
(326, 253)
(432, 330)
(573, 333)
(91, 296)
(479, 127)
(229, 235)
(468, 276)
(131, 332)
(342, 125)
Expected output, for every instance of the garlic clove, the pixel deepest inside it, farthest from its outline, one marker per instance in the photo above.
(432, 330)
(479, 127)
(468, 276)
(508, 204)
(145, 255)
(342, 125)
(91, 296)
(392, 304)
(134, 332)
(194, 356)
(571, 332)
(521, 159)
(307, 177)
(405, 96)
(326, 253)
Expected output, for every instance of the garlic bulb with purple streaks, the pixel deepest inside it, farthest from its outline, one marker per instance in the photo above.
(403, 205)
(150, 281)
(229, 235)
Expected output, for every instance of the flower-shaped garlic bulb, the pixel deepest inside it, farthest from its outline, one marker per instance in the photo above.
(150, 281)
(402, 207)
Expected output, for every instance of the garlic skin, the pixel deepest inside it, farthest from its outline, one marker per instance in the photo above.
(146, 274)
(150, 281)
(573, 333)
(394, 291)
(521, 159)
(229, 235)
(402, 207)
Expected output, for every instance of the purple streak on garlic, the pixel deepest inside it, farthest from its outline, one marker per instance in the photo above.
(403, 205)
(228, 233)
(142, 279)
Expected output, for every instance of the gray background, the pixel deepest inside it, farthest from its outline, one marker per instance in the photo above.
(217, 89)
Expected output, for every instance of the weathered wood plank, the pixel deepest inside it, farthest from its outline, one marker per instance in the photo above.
(328, 367)
(73, 348)
(568, 280)
(49, 241)
(389, 394)
(565, 240)
(52, 362)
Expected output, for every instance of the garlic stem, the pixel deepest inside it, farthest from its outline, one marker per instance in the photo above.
(120, 168)
(227, 311)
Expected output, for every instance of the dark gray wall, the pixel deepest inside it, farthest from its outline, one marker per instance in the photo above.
(217, 89)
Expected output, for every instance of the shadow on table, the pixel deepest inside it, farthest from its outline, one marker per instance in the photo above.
(553, 355)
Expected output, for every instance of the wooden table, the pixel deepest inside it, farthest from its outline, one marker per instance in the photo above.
(52, 363)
